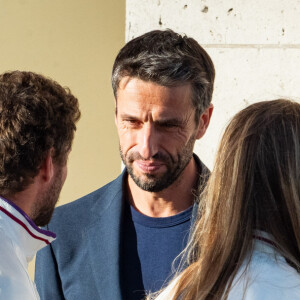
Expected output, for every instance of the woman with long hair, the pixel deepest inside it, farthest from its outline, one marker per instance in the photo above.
(246, 241)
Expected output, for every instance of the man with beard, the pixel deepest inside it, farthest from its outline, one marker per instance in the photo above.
(119, 242)
(37, 124)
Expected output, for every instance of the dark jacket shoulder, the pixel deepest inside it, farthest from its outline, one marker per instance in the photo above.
(87, 209)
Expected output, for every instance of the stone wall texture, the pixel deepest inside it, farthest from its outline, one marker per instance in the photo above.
(255, 46)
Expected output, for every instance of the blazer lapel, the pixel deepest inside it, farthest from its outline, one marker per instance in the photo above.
(104, 241)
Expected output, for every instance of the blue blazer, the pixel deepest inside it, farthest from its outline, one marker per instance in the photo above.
(83, 263)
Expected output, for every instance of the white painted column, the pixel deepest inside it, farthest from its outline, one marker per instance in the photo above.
(255, 46)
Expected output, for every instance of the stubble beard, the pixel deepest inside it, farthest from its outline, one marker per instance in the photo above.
(45, 205)
(157, 183)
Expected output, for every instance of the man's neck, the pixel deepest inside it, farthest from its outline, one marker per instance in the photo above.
(170, 201)
(24, 199)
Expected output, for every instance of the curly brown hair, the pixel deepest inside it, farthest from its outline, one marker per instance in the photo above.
(36, 114)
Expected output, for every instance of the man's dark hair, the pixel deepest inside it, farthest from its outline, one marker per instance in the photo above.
(168, 59)
(36, 115)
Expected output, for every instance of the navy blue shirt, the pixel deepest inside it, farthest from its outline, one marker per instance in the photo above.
(150, 245)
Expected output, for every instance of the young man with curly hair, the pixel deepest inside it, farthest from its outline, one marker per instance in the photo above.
(37, 124)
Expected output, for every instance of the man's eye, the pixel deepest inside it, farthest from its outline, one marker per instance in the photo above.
(132, 122)
(168, 125)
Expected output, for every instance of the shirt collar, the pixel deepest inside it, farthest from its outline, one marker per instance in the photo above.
(20, 228)
(264, 242)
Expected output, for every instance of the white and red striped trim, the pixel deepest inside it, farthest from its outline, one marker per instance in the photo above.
(18, 216)
(266, 240)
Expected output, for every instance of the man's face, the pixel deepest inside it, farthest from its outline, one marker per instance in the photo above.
(157, 131)
(45, 205)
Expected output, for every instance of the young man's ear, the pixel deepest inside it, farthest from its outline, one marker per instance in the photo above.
(204, 121)
(47, 167)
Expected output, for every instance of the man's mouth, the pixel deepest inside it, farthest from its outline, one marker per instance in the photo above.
(149, 166)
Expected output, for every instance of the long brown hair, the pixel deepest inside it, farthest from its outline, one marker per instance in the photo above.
(255, 184)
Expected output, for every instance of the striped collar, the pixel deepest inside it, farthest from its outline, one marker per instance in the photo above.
(18, 227)
(265, 242)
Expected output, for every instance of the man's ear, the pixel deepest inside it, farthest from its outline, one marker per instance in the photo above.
(204, 121)
(116, 111)
(116, 118)
(47, 167)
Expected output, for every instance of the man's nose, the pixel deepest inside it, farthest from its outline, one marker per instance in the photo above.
(148, 141)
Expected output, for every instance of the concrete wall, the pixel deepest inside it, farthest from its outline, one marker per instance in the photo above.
(255, 46)
(74, 42)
